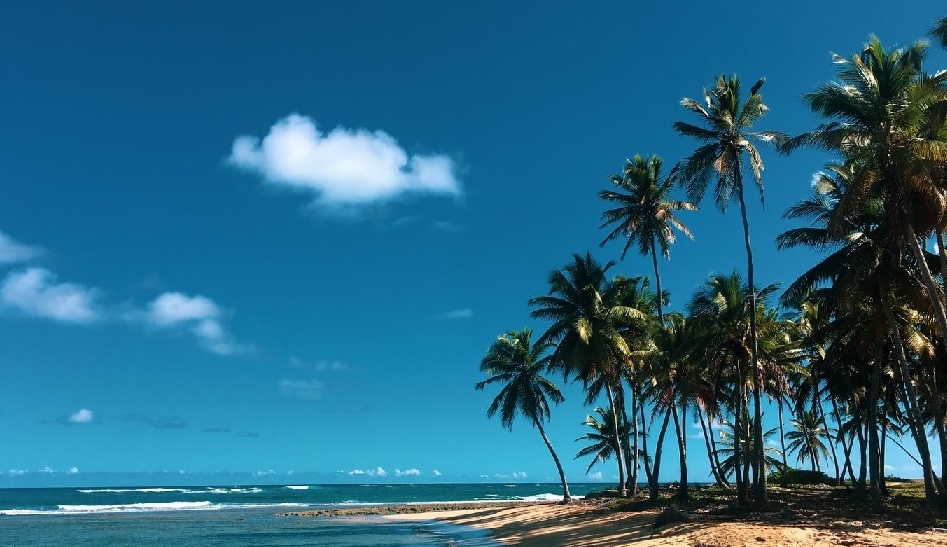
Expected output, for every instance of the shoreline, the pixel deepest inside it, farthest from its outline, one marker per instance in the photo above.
(599, 523)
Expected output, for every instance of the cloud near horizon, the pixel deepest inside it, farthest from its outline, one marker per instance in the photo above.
(344, 166)
(34, 292)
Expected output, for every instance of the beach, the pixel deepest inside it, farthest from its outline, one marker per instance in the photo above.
(592, 524)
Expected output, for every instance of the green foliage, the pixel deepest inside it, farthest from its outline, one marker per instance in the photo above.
(799, 476)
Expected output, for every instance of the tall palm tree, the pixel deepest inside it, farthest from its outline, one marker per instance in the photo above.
(725, 153)
(881, 113)
(644, 214)
(878, 114)
(517, 364)
(588, 315)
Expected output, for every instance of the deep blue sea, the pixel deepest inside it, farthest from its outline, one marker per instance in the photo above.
(236, 516)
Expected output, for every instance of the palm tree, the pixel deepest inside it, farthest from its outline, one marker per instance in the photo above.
(725, 153)
(807, 438)
(588, 314)
(603, 442)
(643, 214)
(517, 364)
(721, 308)
(880, 114)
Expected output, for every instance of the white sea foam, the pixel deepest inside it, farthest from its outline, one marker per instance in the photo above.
(296, 487)
(127, 490)
(140, 507)
(546, 497)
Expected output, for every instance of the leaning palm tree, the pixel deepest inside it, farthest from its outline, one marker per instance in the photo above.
(517, 364)
(725, 153)
(644, 214)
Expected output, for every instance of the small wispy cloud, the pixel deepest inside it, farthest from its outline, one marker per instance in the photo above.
(12, 252)
(436, 473)
(198, 314)
(157, 422)
(597, 476)
(73, 470)
(341, 167)
(47, 469)
(318, 366)
(302, 390)
(34, 292)
(445, 226)
(462, 313)
(81, 416)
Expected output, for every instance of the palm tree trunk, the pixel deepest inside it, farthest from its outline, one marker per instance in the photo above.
(759, 493)
(933, 294)
(914, 415)
(682, 493)
(714, 465)
(644, 436)
(874, 388)
(622, 489)
(782, 435)
(657, 282)
(863, 450)
(625, 440)
(656, 468)
(845, 450)
(635, 401)
(566, 496)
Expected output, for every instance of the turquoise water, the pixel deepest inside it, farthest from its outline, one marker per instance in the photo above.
(237, 516)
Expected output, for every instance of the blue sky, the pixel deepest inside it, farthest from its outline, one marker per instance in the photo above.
(273, 239)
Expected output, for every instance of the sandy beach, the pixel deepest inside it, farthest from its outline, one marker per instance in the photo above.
(591, 524)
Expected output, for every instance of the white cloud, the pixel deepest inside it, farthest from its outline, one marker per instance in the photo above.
(407, 473)
(302, 390)
(12, 252)
(172, 308)
(265, 473)
(436, 473)
(519, 475)
(595, 476)
(344, 166)
(73, 470)
(462, 313)
(34, 292)
(47, 469)
(377, 472)
(81, 416)
(17, 472)
(199, 314)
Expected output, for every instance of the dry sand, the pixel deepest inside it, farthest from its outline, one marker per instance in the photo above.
(590, 525)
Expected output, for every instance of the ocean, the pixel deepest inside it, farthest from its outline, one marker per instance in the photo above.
(236, 516)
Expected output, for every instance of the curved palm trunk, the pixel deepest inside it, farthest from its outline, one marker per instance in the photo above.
(932, 292)
(646, 456)
(635, 401)
(711, 452)
(653, 483)
(566, 496)
(759, 492)
(619, 455)
(916, 421)
(682, 493)
(626, 442)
